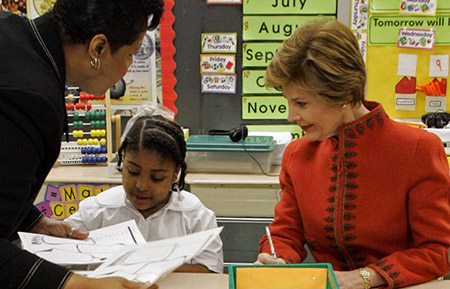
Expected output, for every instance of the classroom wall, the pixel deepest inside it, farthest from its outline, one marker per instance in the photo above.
(202, 112)
(196, 111)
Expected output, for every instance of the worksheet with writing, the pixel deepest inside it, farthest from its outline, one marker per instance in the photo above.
(122, 251)
(154, 260)
(100, 244)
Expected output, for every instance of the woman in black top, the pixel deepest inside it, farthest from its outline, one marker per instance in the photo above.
(84, 43)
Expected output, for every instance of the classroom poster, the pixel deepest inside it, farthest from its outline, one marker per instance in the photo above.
(397, 71)
(138, 85)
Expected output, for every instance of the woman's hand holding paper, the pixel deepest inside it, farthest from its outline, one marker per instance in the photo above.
(57, 228)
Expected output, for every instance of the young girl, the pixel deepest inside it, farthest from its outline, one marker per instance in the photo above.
(153, 154)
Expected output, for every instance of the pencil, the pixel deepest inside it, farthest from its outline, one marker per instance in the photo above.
(272, 248)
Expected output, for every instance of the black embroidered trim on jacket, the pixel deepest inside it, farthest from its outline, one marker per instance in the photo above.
(370, 123)
(393, 274)
(344, 163)
(360, 128)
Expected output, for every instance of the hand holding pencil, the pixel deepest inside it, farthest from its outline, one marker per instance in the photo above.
(272, 248)
(265, 258)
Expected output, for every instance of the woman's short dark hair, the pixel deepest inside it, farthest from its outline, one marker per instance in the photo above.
(158, 135)
(120, 20)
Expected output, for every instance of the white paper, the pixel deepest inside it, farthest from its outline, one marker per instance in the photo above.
(100, 244)
(435, 103)
(154, 260)
(416, 38)
(407, 64)
(359, 12)
(218, 83)
(405, 101)
(362, 41)
(439, 65)
(419, 7)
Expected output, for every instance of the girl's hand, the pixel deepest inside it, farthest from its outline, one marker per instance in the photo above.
(57, 228)
(265, 258)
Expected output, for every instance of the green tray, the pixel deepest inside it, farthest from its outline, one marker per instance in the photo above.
(331, 280)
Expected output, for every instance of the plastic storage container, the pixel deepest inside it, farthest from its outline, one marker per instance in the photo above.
(217, 153)
(282, 139)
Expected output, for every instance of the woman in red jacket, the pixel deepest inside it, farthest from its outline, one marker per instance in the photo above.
(365, 193)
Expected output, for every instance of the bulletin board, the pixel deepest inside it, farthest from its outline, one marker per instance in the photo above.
(398, 69)
(260, 26)
(196, 111)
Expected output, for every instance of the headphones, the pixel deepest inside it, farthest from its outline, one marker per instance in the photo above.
(236, 134)
(436, 119)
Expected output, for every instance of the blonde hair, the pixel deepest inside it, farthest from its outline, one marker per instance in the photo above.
(321, 57)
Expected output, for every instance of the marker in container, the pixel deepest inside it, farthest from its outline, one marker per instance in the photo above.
(272, 248)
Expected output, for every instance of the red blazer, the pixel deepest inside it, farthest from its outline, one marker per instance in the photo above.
(377, 195)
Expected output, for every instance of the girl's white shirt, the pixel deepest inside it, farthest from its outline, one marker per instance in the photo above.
(184, 214)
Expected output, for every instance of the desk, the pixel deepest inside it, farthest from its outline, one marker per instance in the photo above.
(194, 281)
(237, 195)
(220, 281)
(81, 174)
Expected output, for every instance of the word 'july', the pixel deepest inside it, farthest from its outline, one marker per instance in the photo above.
(289, 3)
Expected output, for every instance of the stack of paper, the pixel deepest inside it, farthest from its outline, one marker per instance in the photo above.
(122, 250)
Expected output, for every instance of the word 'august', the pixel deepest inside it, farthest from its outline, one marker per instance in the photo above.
(276, 29)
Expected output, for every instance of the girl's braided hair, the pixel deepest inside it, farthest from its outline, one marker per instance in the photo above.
(159, 135)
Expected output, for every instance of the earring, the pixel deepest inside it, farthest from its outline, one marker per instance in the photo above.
(95, 63)
(175, 187)
(344, 106)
